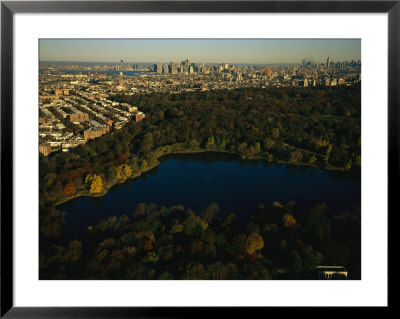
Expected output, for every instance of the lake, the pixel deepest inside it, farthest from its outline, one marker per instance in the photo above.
(236, 185)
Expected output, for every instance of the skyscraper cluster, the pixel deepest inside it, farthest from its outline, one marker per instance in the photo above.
(179, 67)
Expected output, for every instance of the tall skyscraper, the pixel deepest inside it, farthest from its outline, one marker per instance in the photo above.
(327, 62)
(165, 69)
(186, 63)
(159, 68)
(174, 70)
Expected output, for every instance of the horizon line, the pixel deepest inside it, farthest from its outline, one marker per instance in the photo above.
(155, 62)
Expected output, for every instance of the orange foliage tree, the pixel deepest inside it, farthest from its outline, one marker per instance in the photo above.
(69, 188)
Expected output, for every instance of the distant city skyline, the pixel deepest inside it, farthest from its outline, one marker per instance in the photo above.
(257, 51)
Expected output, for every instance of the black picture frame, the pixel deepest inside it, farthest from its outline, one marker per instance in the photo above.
(9, 8)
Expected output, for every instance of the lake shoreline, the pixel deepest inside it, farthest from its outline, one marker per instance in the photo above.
(166, 150)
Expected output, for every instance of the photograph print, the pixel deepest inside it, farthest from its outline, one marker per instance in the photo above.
(207, 159)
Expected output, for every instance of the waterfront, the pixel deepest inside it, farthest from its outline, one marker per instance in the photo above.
(236, 185)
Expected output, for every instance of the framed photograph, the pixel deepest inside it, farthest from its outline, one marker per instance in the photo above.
(158, 156)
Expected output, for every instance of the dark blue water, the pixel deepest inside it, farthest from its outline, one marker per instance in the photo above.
(236, 185)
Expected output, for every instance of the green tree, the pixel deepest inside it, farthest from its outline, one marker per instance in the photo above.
(297, 264)
(177, 228)
(143, 164)
(102, 255)
(230, 221)
(52, 222)
(147, 143)
(295, 157)
(318, 223)
(328, 153)
(141, 209)
(210, 143)
(210, 212)
(195, 271)
(312, 159)
(111, 172)
(312, 259)
(74, 252)
(252, 228)
(165, 276)
(135, 167)
(268, 143)
(271, 227)
(193, 144)
(194, 224)
(151, 257)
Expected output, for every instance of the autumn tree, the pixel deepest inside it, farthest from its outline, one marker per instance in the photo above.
(124, 171)
(69, 188)
(288, 220)
(94, 183)
(148, 245)
(254, 242)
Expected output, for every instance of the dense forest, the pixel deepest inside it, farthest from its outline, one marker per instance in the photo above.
(303, 126)
(279, 242)
(306, 126)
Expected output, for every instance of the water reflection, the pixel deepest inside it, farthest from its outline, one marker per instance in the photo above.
(236, 185)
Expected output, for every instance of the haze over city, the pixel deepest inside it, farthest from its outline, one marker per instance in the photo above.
(256, 51)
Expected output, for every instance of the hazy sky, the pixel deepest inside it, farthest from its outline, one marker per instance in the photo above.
(262, 51)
